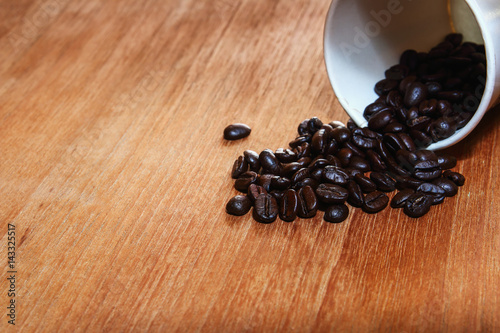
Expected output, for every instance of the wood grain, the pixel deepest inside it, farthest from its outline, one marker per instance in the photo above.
(115, 174)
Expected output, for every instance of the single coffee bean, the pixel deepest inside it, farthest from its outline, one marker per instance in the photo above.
(420, 139)
(300, 140)
(332, 147)
(415, 94)
(353, 172)
(351, 124)
(337, 123)
(434, 191)
(269, 162)
(407, 141)
(341, 134)
(288, 206)
(441, 129)
(240, 166)
(238, 205)
(360, 164)
(455, 39)
(405, 83)
(314, 124)
(300, 175)
(379, 120)
(319, 141)
(336, 213)
(376, 162)
(252, 159)
(375, 202)
(304, 162)
(313, 183)
(373, 108)
(304, 150)
(394, 99)
(307, 206)
(364, 138)
(365, 183)
(265, 208)
(244, 181)
(290, 168)
(393, 142)
(355, 197)
(403, 183)
(447, 161)
(417, 205)
(449, 187)
(399, 200)
(427, 170)
(318, 163)
(285, 155)
(331, 193)
(420, 123)
(265, 181)
(455, 177)
(394, 127)
(334, 160)
(384, 86)
(317, 174)
(280, 183)
(428, 108)
(236, 131)
(383, 182)
(254, 191)
(335, 175)
(355, 150)
(303, 129)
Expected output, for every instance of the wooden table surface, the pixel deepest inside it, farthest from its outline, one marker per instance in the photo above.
(114, 174)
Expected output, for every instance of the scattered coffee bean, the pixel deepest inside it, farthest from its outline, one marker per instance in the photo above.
(417, 205)
(238, 205)
(336, 213)
(375, 202)
(236, 131)
(399, 200)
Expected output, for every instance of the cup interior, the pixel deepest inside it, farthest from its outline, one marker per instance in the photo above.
(363, 38)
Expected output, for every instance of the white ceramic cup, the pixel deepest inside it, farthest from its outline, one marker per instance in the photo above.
(363, 38)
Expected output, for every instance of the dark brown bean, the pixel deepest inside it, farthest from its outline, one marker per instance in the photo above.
(399, 200)
(307, 203)
(288, 206)
(375, 202)
(254, 191)
(244, 181)
(417, 205)
(265, 208)
(336, 213)
(252, 159)
(236, 131)
(455, 177)
(240, 166)
(238, 205)
(331, 194)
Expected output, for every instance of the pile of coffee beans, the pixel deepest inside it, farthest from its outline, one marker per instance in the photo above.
(430, 95)
(329, 165)
(424, 99)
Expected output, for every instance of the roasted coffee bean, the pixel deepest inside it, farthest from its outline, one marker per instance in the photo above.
(288, 206)
(332, 147)
(427, 170)
(410, 59)
(360, 164)
(319, 141)
(441, 129)
(303, 129)
(304, 162)
(265, 208)
(252, 159)
(393, 142)
(236, 131)
(336, 213)
(306, 182)
(244, 181)
(375, 202)
(365, 183)
(379, 120)
(412, 114)
(434, 191)
(300, 140)
(376, 162)
(397, 72)
(394, 127)
(336, 123)
(239, 167)
(265, 181)
(383, 182)
(289, 169)
(307, 205)
(407, 141)
(351, 125)
(280, 183)
(420, 139)
(238, 205)
(373, 108)
(285, 155)
(384, 86)
(269, 162)
(353, 172)
(254, 191)
(278, 195)
(406, 159)
(415, 94)
(334, 160)
(417, 205)
(428, 108)
(304, 150)
(355, 194)
(455, 177)
(331, 193)
(399, 200)
(317, 174)
(449, 187)
(405, 83)
(420, 123)
(403, 183)
(344, 155)
(314, 124)
(335, 175)
(447, 161)
(355, 150)
(434, 88)
(300, 175)
(341, 134)
(364, 138)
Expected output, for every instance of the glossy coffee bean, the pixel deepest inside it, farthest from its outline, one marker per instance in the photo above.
(384, 86)
(336, 213)
(254, 191)
(455, 177)
(403, 183)
(238, 205)
(236, 131)
(341, 134)
(441, 129)
(240, 166)
(244, 181)
(427, 170)
(280, 183)
(364, 138)
(366, 184)
(434, 191)
(355, 195)
(265, 209)
(288, 206)
(407, 141)
(360, 164)
(449, 187)
(319, 141)
(331, 194)
(335, 175)
(373, 108)
(285, 155)
(379, 120)
(447, 161)
(290, 168)
(376, 162)
(265, 181)
(383, 182)
(399, 200)
(417, 205)
(307, 205)
(415, 94)
(375, 202)
(252, 158)
(269, 162)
